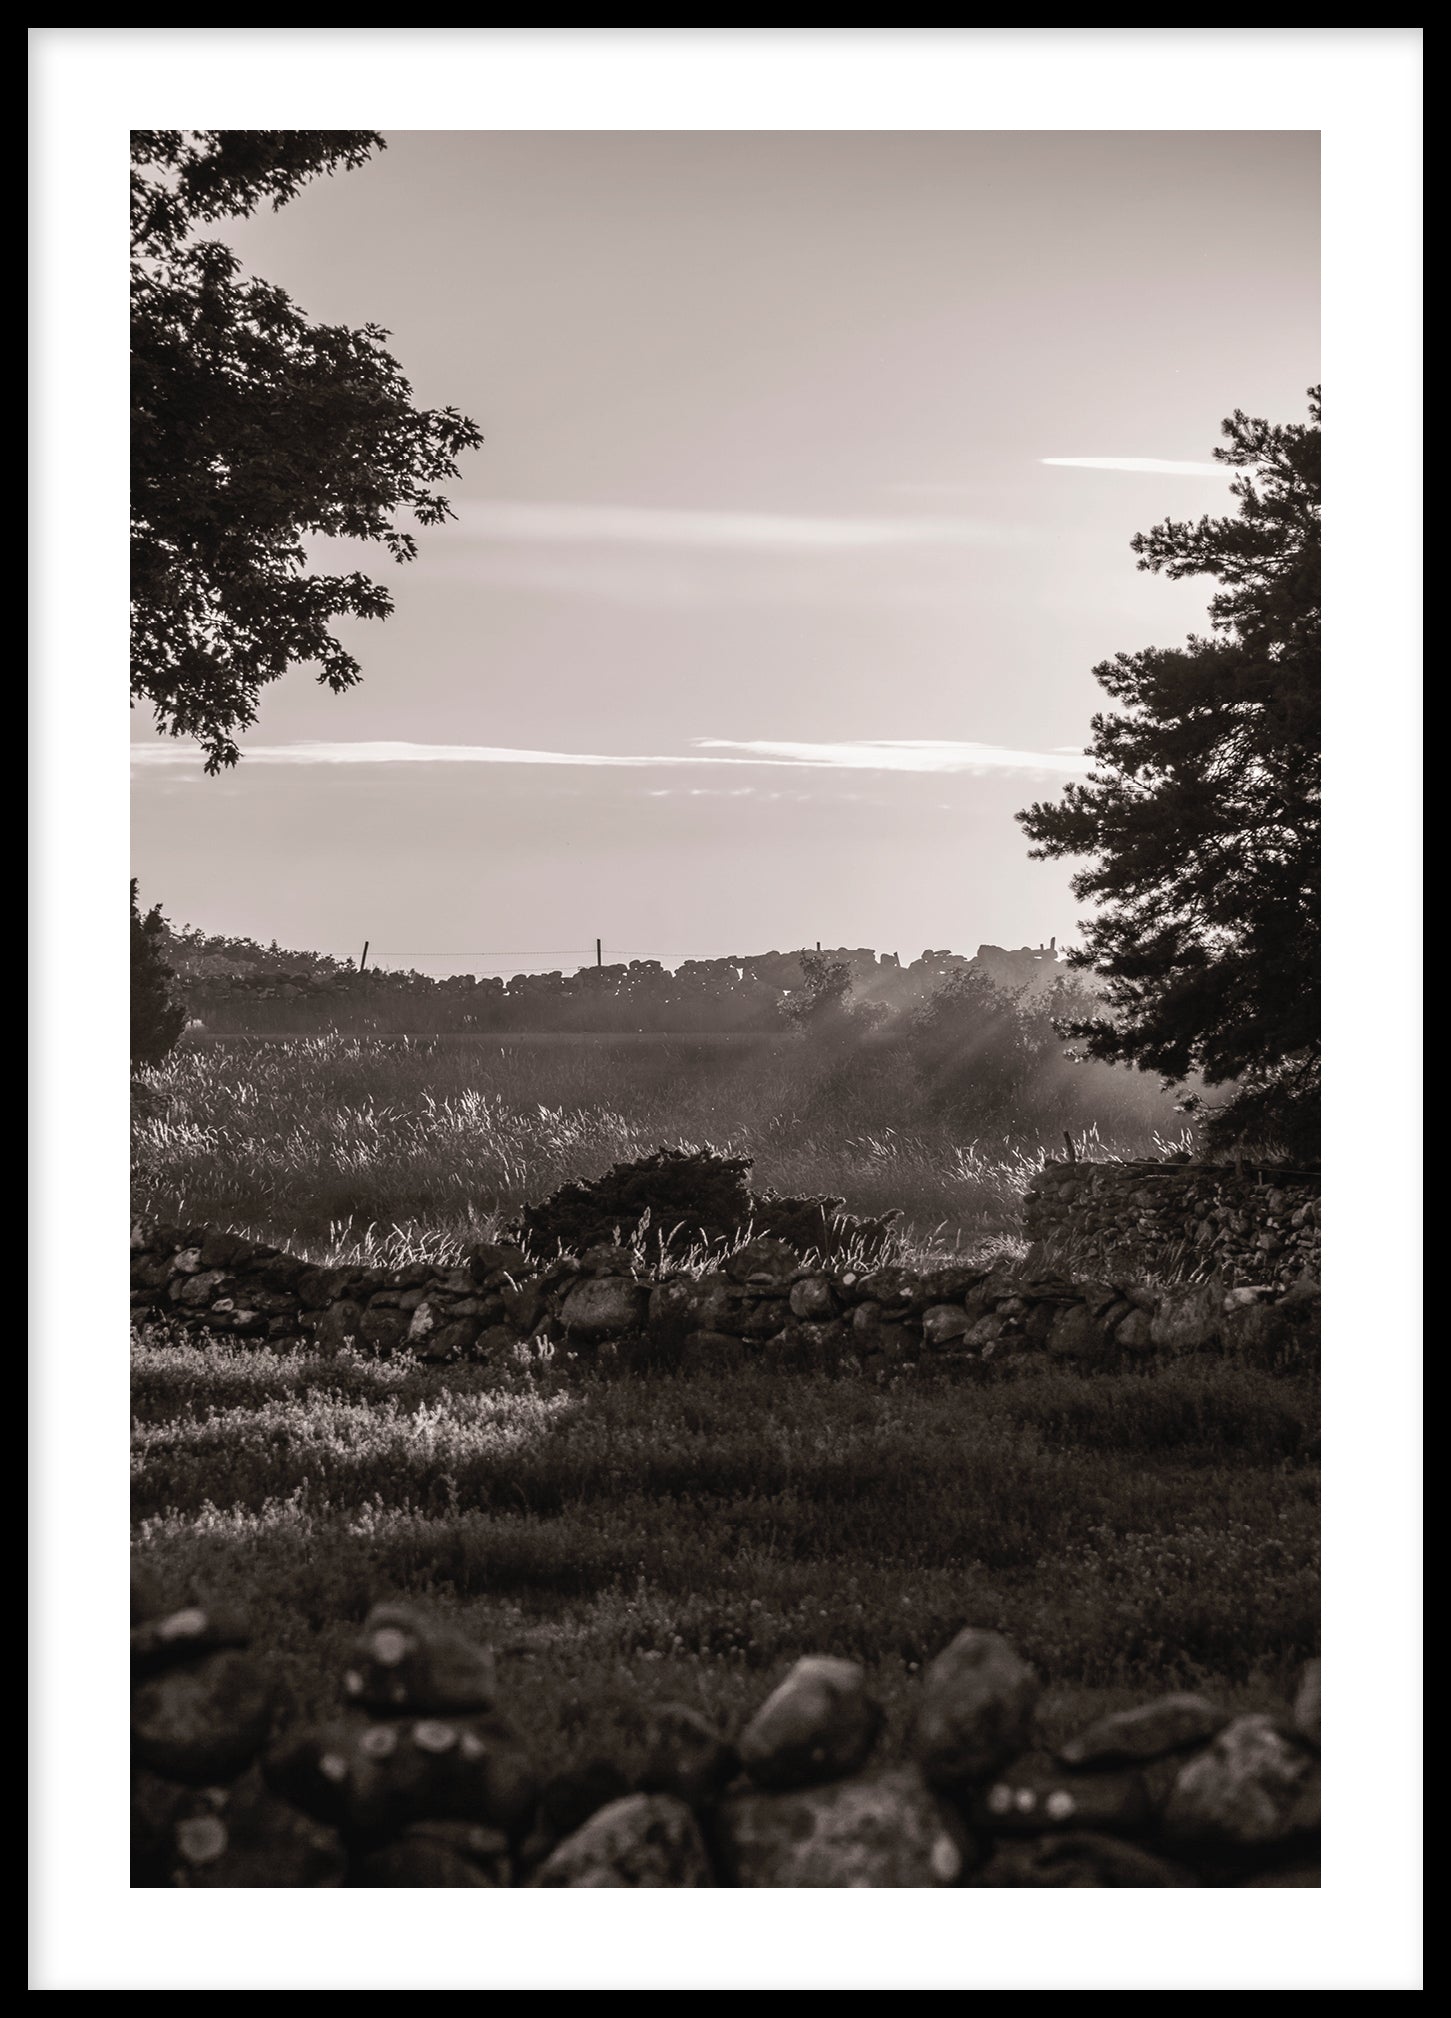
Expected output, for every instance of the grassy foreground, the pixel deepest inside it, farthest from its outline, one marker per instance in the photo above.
(619, 1538)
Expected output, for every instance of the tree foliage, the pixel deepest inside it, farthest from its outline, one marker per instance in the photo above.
(990, 1054)
(823, 1010)
(253, 429)
(1201, 820)
(157, 1017)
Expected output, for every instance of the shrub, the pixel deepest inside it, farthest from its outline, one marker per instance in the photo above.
(683, 1199)
(157, 1017)
(821, 1226)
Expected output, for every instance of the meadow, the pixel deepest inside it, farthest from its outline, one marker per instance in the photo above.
(342, 1147)
(621, 1537)
(620, 1540)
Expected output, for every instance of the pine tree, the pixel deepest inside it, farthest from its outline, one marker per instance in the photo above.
(1201, 820)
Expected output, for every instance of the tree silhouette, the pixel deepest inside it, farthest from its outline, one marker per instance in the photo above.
(252, 429)
(1202, 817)
(157, 1018)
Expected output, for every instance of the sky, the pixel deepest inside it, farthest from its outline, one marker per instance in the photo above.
(801, 520)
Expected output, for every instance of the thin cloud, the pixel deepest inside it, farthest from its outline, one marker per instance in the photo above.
(930, 755)
(927, 755)
(158, 754)
(512, 522)
(709, 792)
(1152, 465)
(652, 557)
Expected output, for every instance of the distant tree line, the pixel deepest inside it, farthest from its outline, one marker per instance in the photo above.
(837, 996)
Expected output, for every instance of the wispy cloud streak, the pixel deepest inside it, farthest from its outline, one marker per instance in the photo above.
(928, 755)
(150, 755)
(1151, 465)
(516, 522)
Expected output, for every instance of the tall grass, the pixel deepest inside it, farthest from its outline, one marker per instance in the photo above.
(357, 1147)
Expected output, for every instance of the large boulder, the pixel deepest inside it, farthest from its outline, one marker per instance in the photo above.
(1256, 1788)
(705, 1303)
(193, 1292)
(943, 1322)
(1133, 1331)
(820, 1724)
(1170, 1723)
(1073, 1334)
(1186, 1319)
(182, 1635)
(764, 1263)
(885, 1829)
(976, 1710)
(814, 1299)
(604, 1306)
(203, 1722)
(231, 1250)
(316, 1288)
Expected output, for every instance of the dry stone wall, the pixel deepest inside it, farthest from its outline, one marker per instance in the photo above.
(421, 1780)
(1248, 1226)
(763, 1303)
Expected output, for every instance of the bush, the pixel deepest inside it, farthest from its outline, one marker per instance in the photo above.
(680, 1199)
(157, 1017)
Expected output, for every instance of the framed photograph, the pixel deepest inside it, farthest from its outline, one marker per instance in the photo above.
(730, 963)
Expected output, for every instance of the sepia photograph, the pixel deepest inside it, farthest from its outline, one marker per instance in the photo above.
(724, 1143)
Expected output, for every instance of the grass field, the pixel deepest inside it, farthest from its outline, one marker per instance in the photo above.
(620, 1537)
(310, 1143)
(626, 1538)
